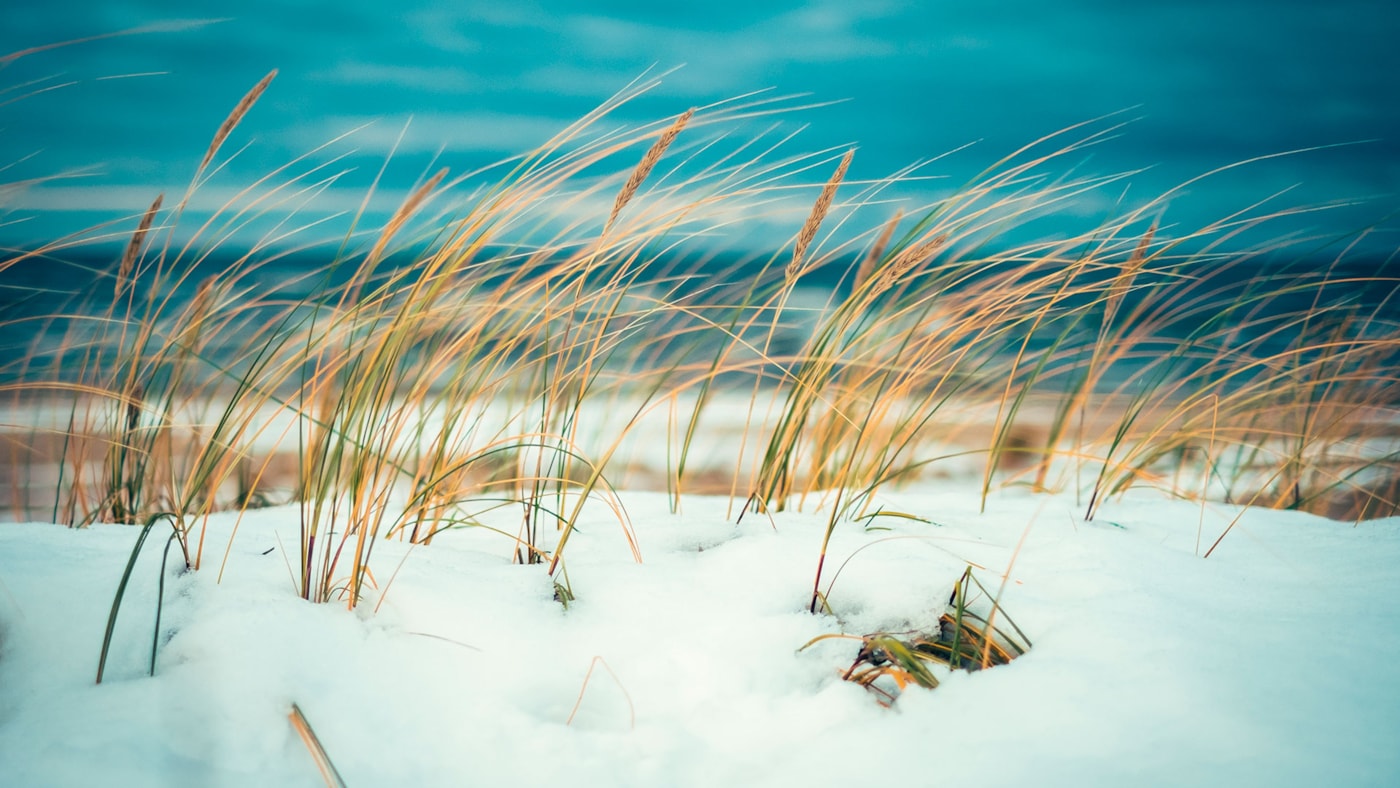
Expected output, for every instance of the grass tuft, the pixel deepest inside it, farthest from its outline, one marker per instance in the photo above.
(121, 594)
(888, 663)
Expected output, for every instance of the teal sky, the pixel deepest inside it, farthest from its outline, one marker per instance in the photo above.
(1205, 83)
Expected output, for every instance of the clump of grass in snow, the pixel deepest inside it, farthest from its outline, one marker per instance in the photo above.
(401, 397)
(888, 663)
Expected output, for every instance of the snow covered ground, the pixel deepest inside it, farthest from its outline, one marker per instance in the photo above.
(1272, 662)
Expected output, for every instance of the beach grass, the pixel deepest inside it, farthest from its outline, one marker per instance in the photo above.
(513, 345)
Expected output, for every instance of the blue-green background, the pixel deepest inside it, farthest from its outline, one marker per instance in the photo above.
(1207, 84)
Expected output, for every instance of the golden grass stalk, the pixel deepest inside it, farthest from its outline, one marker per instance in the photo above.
(873, 258)
(134, 246)
(645, 166)
(158, 27)
(405, 211)
(234, 118)
(905, 262)
(816, 217)
(313, 745)
(1123, 282)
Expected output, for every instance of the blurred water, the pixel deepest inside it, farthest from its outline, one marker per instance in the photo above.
(50, 303)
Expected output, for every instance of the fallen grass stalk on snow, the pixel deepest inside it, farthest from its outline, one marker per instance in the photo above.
(313, 745)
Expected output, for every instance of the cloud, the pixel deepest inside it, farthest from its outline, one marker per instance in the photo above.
(477, 131)
(431, 78)
(131, 201)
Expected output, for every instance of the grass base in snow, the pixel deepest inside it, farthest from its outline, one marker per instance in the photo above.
(888, 662)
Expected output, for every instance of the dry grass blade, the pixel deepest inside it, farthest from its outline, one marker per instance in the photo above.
(134, 246)
(817, 216)
(877, 252)
(631, 710)
(203, 299)
(405, 212)
(905, 262)
(313, 744)
(647, 164)
(158, 27)
(1124, 281)
(235, 117)
(416, 199)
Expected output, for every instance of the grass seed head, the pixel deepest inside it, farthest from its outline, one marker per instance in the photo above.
(235, 117)
(905, 262)
(133, 247)
(816, 217)
(647, 164)
(877, 252)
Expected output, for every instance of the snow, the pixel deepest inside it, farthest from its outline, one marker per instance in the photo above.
(1271, 662)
